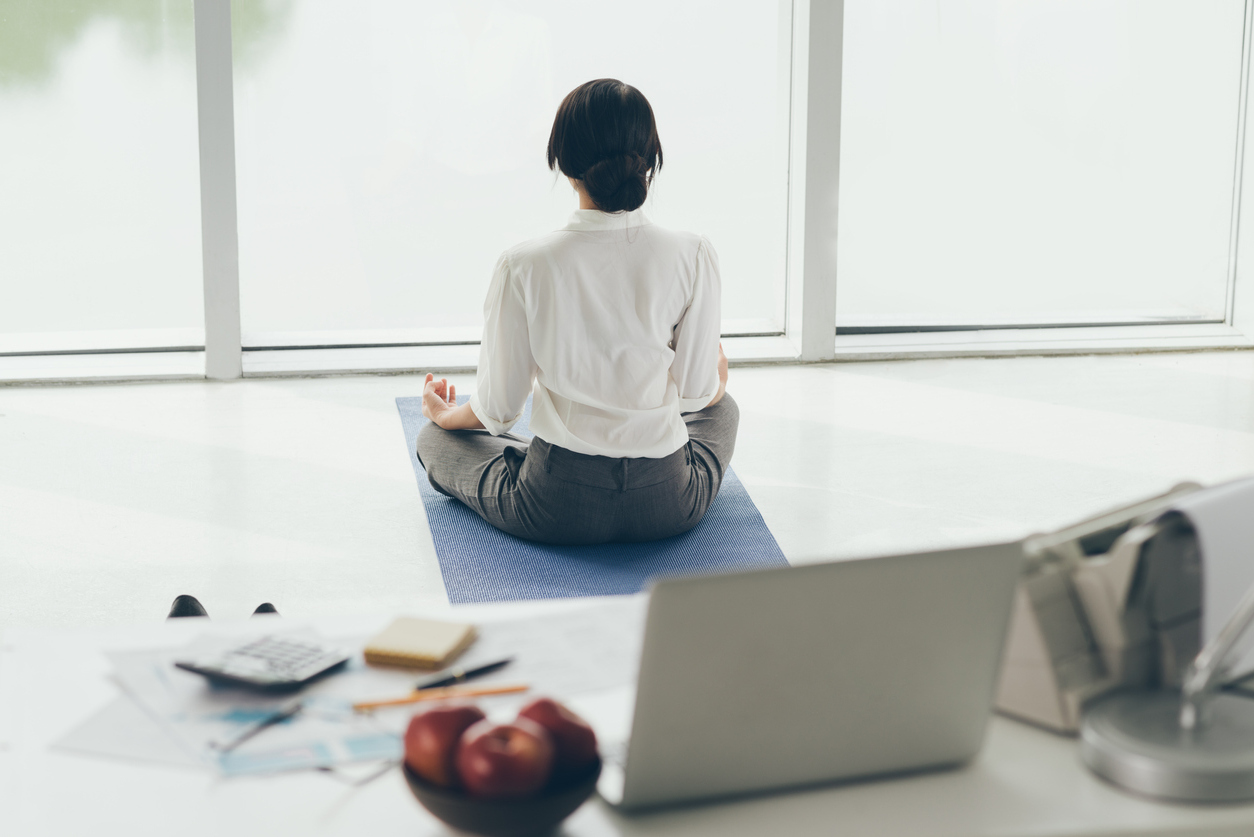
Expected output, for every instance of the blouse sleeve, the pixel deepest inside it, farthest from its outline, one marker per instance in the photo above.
(696, 336)
(506, 367)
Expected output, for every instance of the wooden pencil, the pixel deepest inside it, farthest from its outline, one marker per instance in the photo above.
(446, 693)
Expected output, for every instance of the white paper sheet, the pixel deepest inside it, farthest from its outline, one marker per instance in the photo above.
(1224, 519)
(562, 655)
(123, 730)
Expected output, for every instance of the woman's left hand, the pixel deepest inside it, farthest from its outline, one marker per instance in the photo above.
(438, 399)
(722, 377)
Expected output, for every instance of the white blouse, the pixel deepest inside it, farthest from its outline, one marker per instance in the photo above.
(616, 320)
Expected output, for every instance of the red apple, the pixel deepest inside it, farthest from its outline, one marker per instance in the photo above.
(432, 738)
(574, 742)
(505, 760)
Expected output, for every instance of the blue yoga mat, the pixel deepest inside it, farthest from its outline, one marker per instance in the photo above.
(483, 564)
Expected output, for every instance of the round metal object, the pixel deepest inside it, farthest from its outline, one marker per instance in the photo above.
(1134, 740)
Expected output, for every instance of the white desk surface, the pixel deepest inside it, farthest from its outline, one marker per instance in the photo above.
(1025, 782)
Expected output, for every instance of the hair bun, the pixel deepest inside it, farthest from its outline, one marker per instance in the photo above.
(618, 182)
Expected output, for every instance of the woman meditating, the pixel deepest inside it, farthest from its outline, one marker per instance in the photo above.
(616, 322)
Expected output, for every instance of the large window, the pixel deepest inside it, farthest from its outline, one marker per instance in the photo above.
(99, 185)
(881, 178)
(389, 150)
(1037, 162)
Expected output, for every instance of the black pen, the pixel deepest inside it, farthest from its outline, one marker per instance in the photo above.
(459, 676)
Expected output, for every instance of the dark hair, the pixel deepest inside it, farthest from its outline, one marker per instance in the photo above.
(605, 136)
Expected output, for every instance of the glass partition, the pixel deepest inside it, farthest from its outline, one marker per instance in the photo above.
(99, 188)
(389, 150)
(1037, 162)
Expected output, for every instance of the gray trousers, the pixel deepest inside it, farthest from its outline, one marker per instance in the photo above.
(545, 493)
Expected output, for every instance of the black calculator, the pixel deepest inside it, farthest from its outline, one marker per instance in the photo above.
(270, 662)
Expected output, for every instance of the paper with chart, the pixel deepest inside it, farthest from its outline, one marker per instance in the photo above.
(198, 715)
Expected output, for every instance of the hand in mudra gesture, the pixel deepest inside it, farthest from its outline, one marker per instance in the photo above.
(438, 397)
(439, 403)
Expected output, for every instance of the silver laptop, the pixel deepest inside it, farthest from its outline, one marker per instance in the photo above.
(778, 678)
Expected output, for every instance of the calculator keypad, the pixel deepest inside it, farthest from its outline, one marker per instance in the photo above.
(269, 660)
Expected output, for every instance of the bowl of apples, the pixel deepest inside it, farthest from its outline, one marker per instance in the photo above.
(501, 780)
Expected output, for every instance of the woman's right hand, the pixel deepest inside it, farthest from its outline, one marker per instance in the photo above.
(439, 403)
(438, 397)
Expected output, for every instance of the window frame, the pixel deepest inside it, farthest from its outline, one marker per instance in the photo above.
(1235, 332)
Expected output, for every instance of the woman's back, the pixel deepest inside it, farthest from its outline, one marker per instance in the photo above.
(621, 318)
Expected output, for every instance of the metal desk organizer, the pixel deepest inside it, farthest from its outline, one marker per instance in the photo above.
(1113, 602)
(1104, 642)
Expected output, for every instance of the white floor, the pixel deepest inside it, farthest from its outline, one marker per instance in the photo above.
(115, 498)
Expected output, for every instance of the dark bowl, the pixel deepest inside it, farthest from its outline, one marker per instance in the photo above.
(526, 817)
